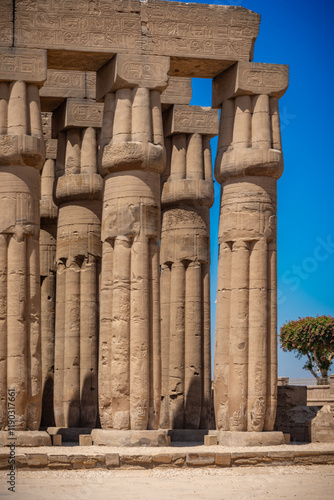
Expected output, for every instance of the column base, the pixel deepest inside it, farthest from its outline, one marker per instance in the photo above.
(130, 438)
(25, 438)
(229, 438)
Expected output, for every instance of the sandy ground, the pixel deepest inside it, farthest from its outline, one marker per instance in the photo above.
(270, 483)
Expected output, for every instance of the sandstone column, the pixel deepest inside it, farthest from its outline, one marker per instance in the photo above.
(249, 162)
(22, 154)
(79, 198)
(187, 196)
(47, 245)
(132, 159)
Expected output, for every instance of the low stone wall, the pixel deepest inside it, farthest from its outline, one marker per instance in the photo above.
(316, 395)
(91, 460)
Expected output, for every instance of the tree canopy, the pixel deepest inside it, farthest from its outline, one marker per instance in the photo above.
(314, 338)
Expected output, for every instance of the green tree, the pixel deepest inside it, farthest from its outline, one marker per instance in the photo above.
(314, 338)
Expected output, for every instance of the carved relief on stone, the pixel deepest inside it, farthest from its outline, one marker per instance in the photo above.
(249, 161)
(21, 157)
(78, 193)
(132, 158)
(187, 195)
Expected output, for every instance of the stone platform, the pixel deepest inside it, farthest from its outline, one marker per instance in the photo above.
(227, 438)
(181, 456)
(25, 438)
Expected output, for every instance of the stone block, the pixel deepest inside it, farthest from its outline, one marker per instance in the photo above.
(322, 426)
(286, 438)
(37, 459)
(178, 91)
(23, 64)
(129, 438)
(51, 148)
(223, 459)
(246, 78)
(210, 440)
(56, 440)
(184, 119)
(200, 458)
(229, 438)
(162, 458)
(111, 459)
(178, 458)
(69, 434)
(85, 440)
(142, 461)
(129, 71)
(26, 438)
(80, 113)
(291, 395)
(294, 421)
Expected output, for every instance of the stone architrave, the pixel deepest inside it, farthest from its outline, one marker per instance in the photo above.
(249, 162)
(47, 247)
(187, 196)
(78, 195)
(22, 154)
(133, 156)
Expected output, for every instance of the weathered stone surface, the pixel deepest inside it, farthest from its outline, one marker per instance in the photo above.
(85, 440)
(249, 161)
(78, 194)
(26, 438)
(178, 91)
(227, 438)
(200, 459)
(130, 71)
(6, 24)
(187, 194)
(22, 64)
(56, 440)
(112, 459)
(130, 437)
(245, 78)
(77, 113)
(210, 440)
(223, 459)
(22, 155)
(183, 119)
(291, 395)
(202, 39)
(322, 426)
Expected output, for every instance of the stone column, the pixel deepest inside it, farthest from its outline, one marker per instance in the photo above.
(22, 155)
(79, 198)
(47, 246)
(187, 196)
(132, 158)
(249, 162)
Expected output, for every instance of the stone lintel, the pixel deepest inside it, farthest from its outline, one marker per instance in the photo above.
(130, 71)
(130, 437)
(185, 119)
(23, 64)
(245, 78)
(61, 84)
(77, 113)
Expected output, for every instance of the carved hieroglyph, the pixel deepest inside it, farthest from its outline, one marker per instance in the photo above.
(79, 198)
(187, 195)
(22, 156)
(248, 164)
(132, 158)
(47, 247)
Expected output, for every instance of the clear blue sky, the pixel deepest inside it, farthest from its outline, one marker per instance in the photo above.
(298, 33)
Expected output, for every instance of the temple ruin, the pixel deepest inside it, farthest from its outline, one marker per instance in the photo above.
(106, 184)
